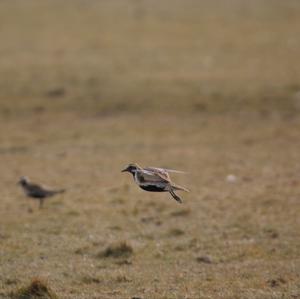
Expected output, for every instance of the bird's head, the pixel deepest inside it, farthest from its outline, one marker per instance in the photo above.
(23, 181)
(132, 168)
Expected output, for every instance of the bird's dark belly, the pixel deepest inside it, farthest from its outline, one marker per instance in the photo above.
(36, 195)
(153, 188)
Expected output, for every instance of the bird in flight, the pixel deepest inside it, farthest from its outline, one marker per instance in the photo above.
(36, 191)
(155, 179)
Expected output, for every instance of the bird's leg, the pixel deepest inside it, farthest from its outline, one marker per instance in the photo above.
(41, 203)
(176, 197)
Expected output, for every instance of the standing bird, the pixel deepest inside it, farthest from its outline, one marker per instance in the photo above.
(37, 191)
(155, 179)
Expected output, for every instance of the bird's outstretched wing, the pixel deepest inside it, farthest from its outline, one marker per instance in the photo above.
(159, 172)
(165, 170)
(153, 175)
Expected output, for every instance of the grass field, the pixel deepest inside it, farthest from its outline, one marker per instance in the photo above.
(210, 88)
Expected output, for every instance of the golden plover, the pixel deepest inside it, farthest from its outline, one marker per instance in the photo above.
(37, 191)
(155, 179)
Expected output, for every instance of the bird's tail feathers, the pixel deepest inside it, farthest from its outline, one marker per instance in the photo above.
(61, 191)
(177, 187)
(58, 191)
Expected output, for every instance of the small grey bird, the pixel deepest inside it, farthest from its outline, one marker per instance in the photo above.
(37, 191)
(155, 179)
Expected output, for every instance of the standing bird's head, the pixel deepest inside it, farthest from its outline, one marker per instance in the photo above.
(23, 181)
(132, 168)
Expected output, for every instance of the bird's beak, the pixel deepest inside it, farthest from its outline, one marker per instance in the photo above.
(124, 170)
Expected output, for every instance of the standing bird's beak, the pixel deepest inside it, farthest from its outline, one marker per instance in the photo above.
(124, 170)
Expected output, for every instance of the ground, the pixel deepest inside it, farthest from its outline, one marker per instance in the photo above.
(212, 89)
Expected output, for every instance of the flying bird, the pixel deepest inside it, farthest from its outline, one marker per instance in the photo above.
(155, 179)
(36, 191)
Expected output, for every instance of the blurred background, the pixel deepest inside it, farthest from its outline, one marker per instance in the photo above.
(138, 55)
(210, 87)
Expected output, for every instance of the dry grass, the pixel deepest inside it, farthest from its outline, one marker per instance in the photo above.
(119, 56)
(121, 249)
(36, 290)
(211, 88)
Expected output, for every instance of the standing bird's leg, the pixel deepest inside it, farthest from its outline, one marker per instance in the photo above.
(176, 197)
(41, 203)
